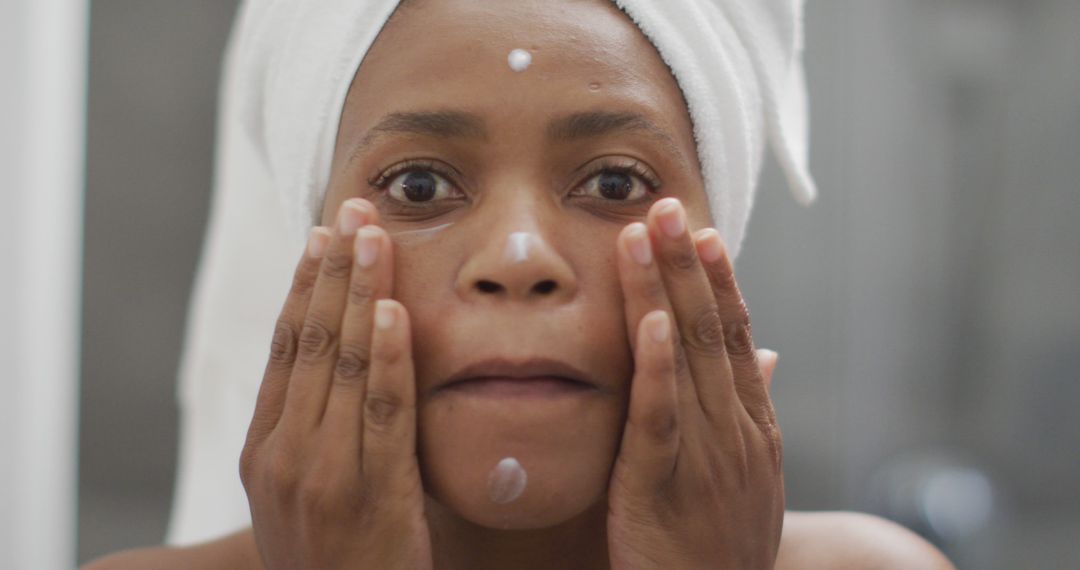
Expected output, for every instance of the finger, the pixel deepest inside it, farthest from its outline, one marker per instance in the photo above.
(650, 442)
(317, 347)
(767, 358)
(372, 279)
(697, 316)
(748, 379)
(279, 366)
(643, 290)
(389, 456)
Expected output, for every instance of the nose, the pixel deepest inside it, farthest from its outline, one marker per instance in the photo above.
(517, 263)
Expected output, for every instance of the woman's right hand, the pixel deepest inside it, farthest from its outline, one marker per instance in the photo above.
(329, 464)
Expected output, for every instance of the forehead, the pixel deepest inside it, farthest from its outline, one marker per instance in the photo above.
(586, 54)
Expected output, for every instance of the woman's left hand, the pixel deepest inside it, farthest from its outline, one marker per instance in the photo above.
(698, 481)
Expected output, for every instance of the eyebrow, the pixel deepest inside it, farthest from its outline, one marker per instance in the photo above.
(443, 124)
(599, 123)
(568, 128)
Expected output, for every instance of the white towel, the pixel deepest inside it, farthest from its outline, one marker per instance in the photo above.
(288, 68)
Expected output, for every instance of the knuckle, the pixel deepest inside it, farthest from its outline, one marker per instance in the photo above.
(776, 448)
(737, 337)
(337, 265)
(774, 442)
(279, 468)
(661, 425)
(361, 292)
(248, 458)
(315, 496)
(724, 282)
(352, 365)
(381, 407)
(283, 344)
(762, 415)
(316, 340)
(304, 280)
(682, 258)
(706, 331)
(652, 288)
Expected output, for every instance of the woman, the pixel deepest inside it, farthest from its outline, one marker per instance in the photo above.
(515, 340)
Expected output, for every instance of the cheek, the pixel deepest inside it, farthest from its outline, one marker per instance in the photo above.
(423, 284)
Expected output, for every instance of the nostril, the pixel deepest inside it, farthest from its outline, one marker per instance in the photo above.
(488, 286)
(545, 286)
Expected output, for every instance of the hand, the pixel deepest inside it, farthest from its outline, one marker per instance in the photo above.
(698, 481)
(330, 465)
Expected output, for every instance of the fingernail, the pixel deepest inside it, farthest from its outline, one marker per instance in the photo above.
(672, 219)
(367, 246)
(768, 356)
(351, 217)
(384, 315)
(317, 239)
(710, 246)
(659, 326)
(637, 242)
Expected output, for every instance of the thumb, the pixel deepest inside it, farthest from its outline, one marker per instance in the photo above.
(767, 360)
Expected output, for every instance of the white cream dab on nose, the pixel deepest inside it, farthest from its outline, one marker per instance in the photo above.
(519, 59)
(517, 246)
(506, 481)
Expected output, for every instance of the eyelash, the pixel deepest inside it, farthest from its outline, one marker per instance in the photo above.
(634, 168)
(383, 179)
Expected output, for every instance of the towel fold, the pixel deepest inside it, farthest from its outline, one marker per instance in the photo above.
(288, 68)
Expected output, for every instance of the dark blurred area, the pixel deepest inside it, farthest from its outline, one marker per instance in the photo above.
(925, 309)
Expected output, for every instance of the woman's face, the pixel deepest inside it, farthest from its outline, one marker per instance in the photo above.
(503, 192)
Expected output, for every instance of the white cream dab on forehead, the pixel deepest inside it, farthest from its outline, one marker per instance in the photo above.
(506, 481)
(519, 59)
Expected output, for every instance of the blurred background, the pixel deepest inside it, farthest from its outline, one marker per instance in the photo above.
(926, 309)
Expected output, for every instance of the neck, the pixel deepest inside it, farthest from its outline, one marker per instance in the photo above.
(577, 544)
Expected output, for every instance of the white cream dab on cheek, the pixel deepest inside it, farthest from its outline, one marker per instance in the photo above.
(424, 233)
(519, 59)
(506, 481)
(517, 246)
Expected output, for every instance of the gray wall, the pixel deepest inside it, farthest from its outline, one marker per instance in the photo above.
(153, 88)
(925, 309)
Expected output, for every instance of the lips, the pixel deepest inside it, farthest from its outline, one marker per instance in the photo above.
(535, 370)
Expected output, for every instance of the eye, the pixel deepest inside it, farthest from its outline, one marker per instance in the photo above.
(620, 183)
(418, 186)
(414, 183)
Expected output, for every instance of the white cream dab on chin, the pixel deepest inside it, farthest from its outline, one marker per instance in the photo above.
(506, 481)
(519, 59)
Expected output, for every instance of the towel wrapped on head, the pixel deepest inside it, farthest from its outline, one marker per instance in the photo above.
(288, 69)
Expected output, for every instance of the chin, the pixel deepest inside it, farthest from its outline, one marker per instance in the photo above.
(565, 450)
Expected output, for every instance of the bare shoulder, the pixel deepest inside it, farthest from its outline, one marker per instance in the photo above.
(236, 551)
(849, 540)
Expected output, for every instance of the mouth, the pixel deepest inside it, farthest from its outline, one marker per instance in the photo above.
(534, 377)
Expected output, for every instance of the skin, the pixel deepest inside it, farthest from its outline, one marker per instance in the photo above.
(356, 458)
(515, 183)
